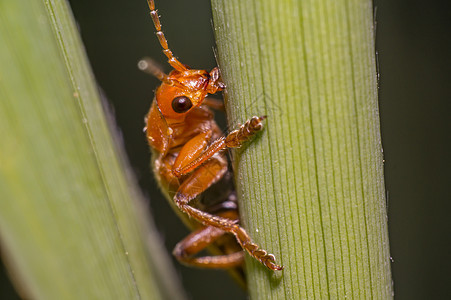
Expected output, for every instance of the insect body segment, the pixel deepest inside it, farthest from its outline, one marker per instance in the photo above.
(188, 158)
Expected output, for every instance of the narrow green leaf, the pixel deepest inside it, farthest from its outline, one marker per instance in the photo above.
(311, 186)
(72, 223)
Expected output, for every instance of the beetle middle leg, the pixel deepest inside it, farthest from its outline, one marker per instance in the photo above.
(197, 182)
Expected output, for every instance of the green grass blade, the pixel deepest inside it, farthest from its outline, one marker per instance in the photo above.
(71, 225)
(311, 186)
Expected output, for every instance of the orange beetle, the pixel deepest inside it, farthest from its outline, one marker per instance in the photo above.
(187, 159)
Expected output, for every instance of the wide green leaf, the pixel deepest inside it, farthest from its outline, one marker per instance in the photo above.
(311, 186)
(73, 224)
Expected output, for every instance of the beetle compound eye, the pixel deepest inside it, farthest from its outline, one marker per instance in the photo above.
(181, 104)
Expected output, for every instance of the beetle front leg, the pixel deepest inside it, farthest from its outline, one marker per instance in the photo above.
(233, 140)
(214, 103)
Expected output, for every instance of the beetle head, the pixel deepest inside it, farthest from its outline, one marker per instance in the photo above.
(181, 91)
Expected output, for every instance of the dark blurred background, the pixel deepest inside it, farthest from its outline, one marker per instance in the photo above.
(414, 48)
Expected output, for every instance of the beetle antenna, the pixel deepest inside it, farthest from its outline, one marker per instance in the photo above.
(174, 62)
(151, 67)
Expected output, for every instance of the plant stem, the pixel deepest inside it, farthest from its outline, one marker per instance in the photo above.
(71, 221)
(311, 186)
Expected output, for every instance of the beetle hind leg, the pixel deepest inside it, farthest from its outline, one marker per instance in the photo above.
(197, 241)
